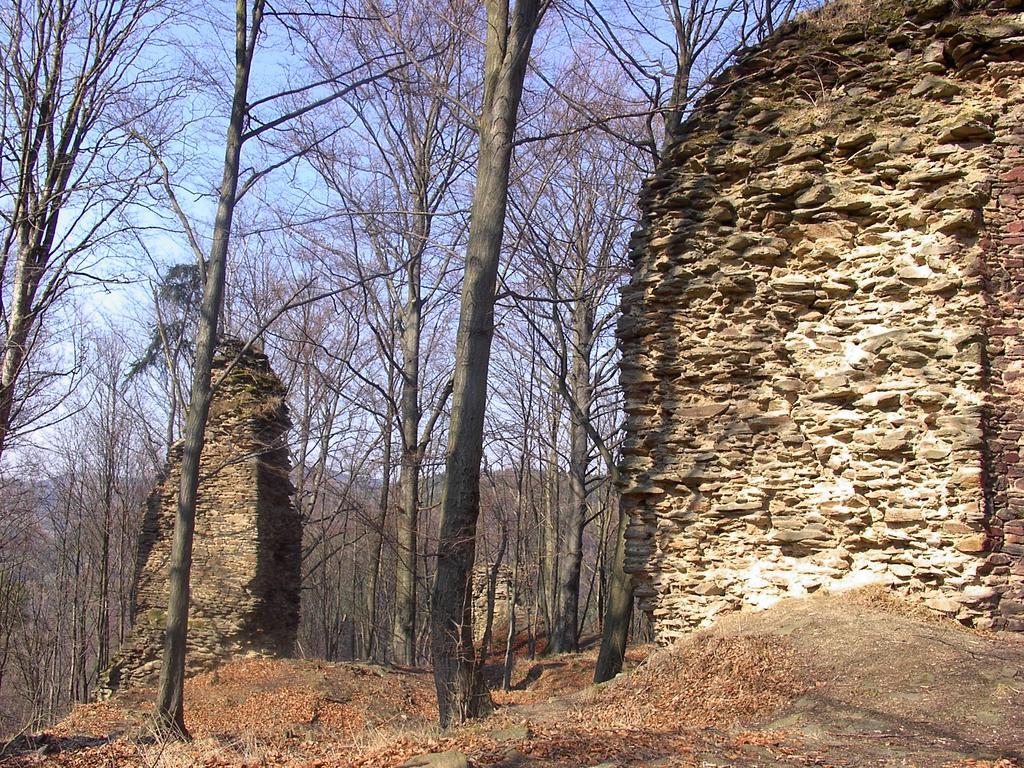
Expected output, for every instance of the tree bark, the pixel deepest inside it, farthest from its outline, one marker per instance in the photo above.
(170, 711)
(403, 641)
(492, 590)
(507, 50)
(618, 611)
(31, 263)
(551, 532)
(510, 640)
(565, 637)
(377, 536)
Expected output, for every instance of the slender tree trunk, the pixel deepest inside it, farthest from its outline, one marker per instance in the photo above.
(601, 566)
(543, 579)
(78, 636)
(404, 628)
(35, 243)
(373, 645)
(522, 477)
(103, 609)
(377, 536)
(507, 51)
(618, 611)
(551, 530)
(492, 590)
(16, 347)
(170, 710)
(510, 636)
(65, 68)
(565, 637)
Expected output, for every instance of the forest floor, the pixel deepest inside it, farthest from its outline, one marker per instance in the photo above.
(854, 680)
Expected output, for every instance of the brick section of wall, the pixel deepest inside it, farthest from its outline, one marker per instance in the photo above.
(1004, 248)
(820, 339)
(246, 561)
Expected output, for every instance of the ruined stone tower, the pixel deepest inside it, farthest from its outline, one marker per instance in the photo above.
(504, 593)
(822, 351)
(247, 552)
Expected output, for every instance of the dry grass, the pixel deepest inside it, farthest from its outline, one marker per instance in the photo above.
(834, 16)
(257, 711)
(880, 598)
(546, 677)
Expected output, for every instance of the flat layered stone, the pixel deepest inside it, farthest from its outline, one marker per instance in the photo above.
(838, 379)
(247, 550)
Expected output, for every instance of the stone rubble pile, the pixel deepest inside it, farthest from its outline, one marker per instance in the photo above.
(822, 352)
(246, 561)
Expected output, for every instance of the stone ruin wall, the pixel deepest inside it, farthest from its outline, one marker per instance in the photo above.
(246, 566)
(822, 350)
(503, 594)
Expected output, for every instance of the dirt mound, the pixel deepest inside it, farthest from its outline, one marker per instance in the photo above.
(275, 698)
(705, 681)
(856, 679)
(546, 677)
(891, 683)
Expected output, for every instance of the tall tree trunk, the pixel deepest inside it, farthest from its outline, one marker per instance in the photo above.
(110, 456)
(17, 341)
(618, 611)
(565, 637)
(403, 640)
(551, 532)
(510, 636)
(66, 67)
(492, 590)
(170, 710)
(103, 608)
(507, 51)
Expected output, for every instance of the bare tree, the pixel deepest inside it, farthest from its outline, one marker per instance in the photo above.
(67, 545)
(341, 439)
(170, 711)
(397, 175)
(668, 50)
(573, 212)
(510, 33)
(244, 125)
(74, 84)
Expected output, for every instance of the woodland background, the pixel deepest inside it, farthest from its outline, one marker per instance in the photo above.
(346, 257)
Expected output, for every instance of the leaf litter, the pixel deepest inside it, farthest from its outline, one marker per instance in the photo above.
(749, 692)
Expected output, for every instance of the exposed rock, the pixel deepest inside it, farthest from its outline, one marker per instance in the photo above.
(821, 347)
(520, 732)
(438, 760)
(246, 559)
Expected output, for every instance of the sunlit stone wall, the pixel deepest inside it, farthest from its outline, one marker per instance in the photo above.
(246, 568)
(822, 351)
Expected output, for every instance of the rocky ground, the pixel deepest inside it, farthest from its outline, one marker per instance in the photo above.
(853, 680)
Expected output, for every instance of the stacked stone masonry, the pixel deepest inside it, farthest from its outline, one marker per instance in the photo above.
(822, 351)
(501, 600)
(246, 562)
